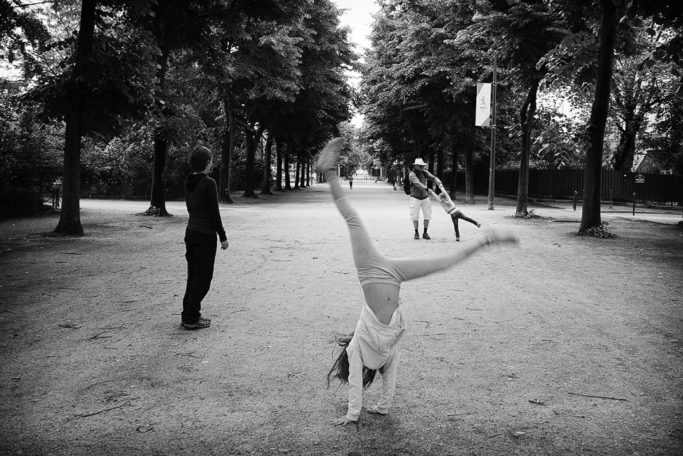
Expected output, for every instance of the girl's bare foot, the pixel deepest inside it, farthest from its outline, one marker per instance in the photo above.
(329, 155)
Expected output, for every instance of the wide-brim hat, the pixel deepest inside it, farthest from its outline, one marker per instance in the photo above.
(418, 161)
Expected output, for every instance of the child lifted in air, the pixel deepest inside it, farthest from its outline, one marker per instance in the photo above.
(449, 206)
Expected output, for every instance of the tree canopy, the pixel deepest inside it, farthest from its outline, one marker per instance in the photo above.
(131, 85)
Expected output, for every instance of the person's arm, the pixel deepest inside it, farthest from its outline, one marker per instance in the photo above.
(446, 196)
(412, 177)
(433, 178)
(388, 386)
(355, 387)
(211, 196)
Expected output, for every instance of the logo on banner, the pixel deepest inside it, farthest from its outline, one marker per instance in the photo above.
(483, 105)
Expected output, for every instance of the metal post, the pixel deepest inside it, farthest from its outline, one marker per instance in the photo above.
(492, 164)
(634, 203)
(610, 198)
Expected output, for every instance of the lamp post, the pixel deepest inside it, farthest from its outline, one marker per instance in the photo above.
(492, 164)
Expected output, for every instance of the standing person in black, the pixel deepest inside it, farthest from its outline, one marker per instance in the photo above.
(201, 198)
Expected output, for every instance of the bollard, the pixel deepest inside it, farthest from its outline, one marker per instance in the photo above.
(575, 195)
(634, 203)
(610, 198)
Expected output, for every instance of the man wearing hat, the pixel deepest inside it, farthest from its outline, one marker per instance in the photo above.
(419, 197)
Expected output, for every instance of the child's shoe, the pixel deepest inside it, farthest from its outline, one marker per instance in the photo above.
(199, 324)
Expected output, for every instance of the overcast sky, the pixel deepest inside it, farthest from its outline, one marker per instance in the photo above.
(358, 16)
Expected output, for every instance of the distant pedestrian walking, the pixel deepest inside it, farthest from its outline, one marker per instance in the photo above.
(372, 346)
(201, 198)
(351, 181)
(56, 190)
(450, 208)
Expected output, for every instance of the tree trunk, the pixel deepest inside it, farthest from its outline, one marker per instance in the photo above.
(158, 198)
(249, 185)
(454, 174)
(279, 146)
(70, 217)
(439, 164)
(288, 185)
(623, 158)
(227, 146)
(304, 169)
(526, 118)
(265, 186)
(297, 171)
(590, 214)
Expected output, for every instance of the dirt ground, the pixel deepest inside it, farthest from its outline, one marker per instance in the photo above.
(567, 345)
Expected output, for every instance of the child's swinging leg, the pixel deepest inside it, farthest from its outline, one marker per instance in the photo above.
(460, 215)
(455, 225)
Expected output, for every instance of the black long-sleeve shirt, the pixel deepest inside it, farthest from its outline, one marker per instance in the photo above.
(201, 198)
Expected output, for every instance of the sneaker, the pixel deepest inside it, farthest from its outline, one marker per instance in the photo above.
(329, 155)
(478, 225)
(199, 324)
(417, 236)
(457, 239)
(425, 236)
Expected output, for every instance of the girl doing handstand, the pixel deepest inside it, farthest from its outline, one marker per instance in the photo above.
(381, 324)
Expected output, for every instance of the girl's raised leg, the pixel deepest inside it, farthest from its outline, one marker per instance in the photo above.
(460, 215)
(364, 251)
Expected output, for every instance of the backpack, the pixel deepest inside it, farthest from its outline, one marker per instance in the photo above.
(406, 185)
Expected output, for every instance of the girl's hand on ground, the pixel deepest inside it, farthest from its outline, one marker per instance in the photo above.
(342, 421)
(225, 244)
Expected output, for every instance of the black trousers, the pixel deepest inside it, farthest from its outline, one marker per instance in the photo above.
(459, 215)
(200, 252)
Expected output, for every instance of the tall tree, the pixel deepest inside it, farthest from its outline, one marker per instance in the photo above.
(418, 84)
(91, 100)
(643, 80)
(70, 218)
(254, 59)
(175, 25)
(325, 95)
(522, 33)
(638, 89)
(590, 213)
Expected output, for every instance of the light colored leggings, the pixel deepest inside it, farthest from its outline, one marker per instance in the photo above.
(371, 264)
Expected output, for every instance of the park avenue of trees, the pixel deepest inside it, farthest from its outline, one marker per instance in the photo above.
(110, 95)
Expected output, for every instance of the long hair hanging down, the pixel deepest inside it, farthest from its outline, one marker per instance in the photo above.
(340, 368)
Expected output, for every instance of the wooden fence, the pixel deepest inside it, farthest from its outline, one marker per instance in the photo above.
(561, 184)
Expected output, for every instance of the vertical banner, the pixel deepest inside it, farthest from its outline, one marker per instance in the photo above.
(483, 105)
